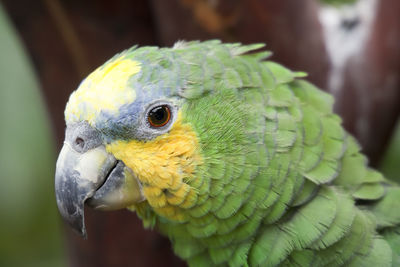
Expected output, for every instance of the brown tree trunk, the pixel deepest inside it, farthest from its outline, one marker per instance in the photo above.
(369, 100)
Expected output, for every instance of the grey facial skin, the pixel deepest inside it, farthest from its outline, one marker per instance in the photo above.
(86, 172)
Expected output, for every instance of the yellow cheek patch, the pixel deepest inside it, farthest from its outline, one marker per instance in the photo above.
(105, 89)
(165, 166)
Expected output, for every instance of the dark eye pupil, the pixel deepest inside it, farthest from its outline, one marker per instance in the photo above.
(79, 142)
(159, 116)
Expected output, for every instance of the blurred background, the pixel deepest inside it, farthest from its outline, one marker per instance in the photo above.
(349, 48)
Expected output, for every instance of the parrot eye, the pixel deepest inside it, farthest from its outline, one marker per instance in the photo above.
(159, 116)
(79, 142)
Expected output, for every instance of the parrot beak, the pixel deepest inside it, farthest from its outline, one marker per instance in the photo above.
(94, 176)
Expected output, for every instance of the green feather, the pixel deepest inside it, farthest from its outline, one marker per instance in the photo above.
(369, 191)
(312, 221)
(312, 126)
(270, 248)
(281, 74)
(281, 96)
(341, 225)
(308, 191)
(239, 257)
(385, 210)
(392, 236)
(301, 258)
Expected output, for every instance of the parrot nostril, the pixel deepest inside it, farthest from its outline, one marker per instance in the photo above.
(79, 142)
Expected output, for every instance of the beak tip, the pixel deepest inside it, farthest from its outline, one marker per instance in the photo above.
(79, 231)
(78, 227)
(83, 234)
(73, 216)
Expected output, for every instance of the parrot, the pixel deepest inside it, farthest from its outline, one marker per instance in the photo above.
(237, 159)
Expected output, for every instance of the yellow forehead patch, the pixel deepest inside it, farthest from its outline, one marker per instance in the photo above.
(105, 89)
(165, 166)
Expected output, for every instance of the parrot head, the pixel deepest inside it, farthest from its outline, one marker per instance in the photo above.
(150, 129)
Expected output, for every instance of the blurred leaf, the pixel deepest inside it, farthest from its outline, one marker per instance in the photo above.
(29, 224)
(390, 165)
(338, 2)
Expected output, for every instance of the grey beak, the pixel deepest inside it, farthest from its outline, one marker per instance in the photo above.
(78, 176)
(85, 172)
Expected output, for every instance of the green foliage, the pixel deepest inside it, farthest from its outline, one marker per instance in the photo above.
(390, 164)
(29, 224)
(338, 2)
